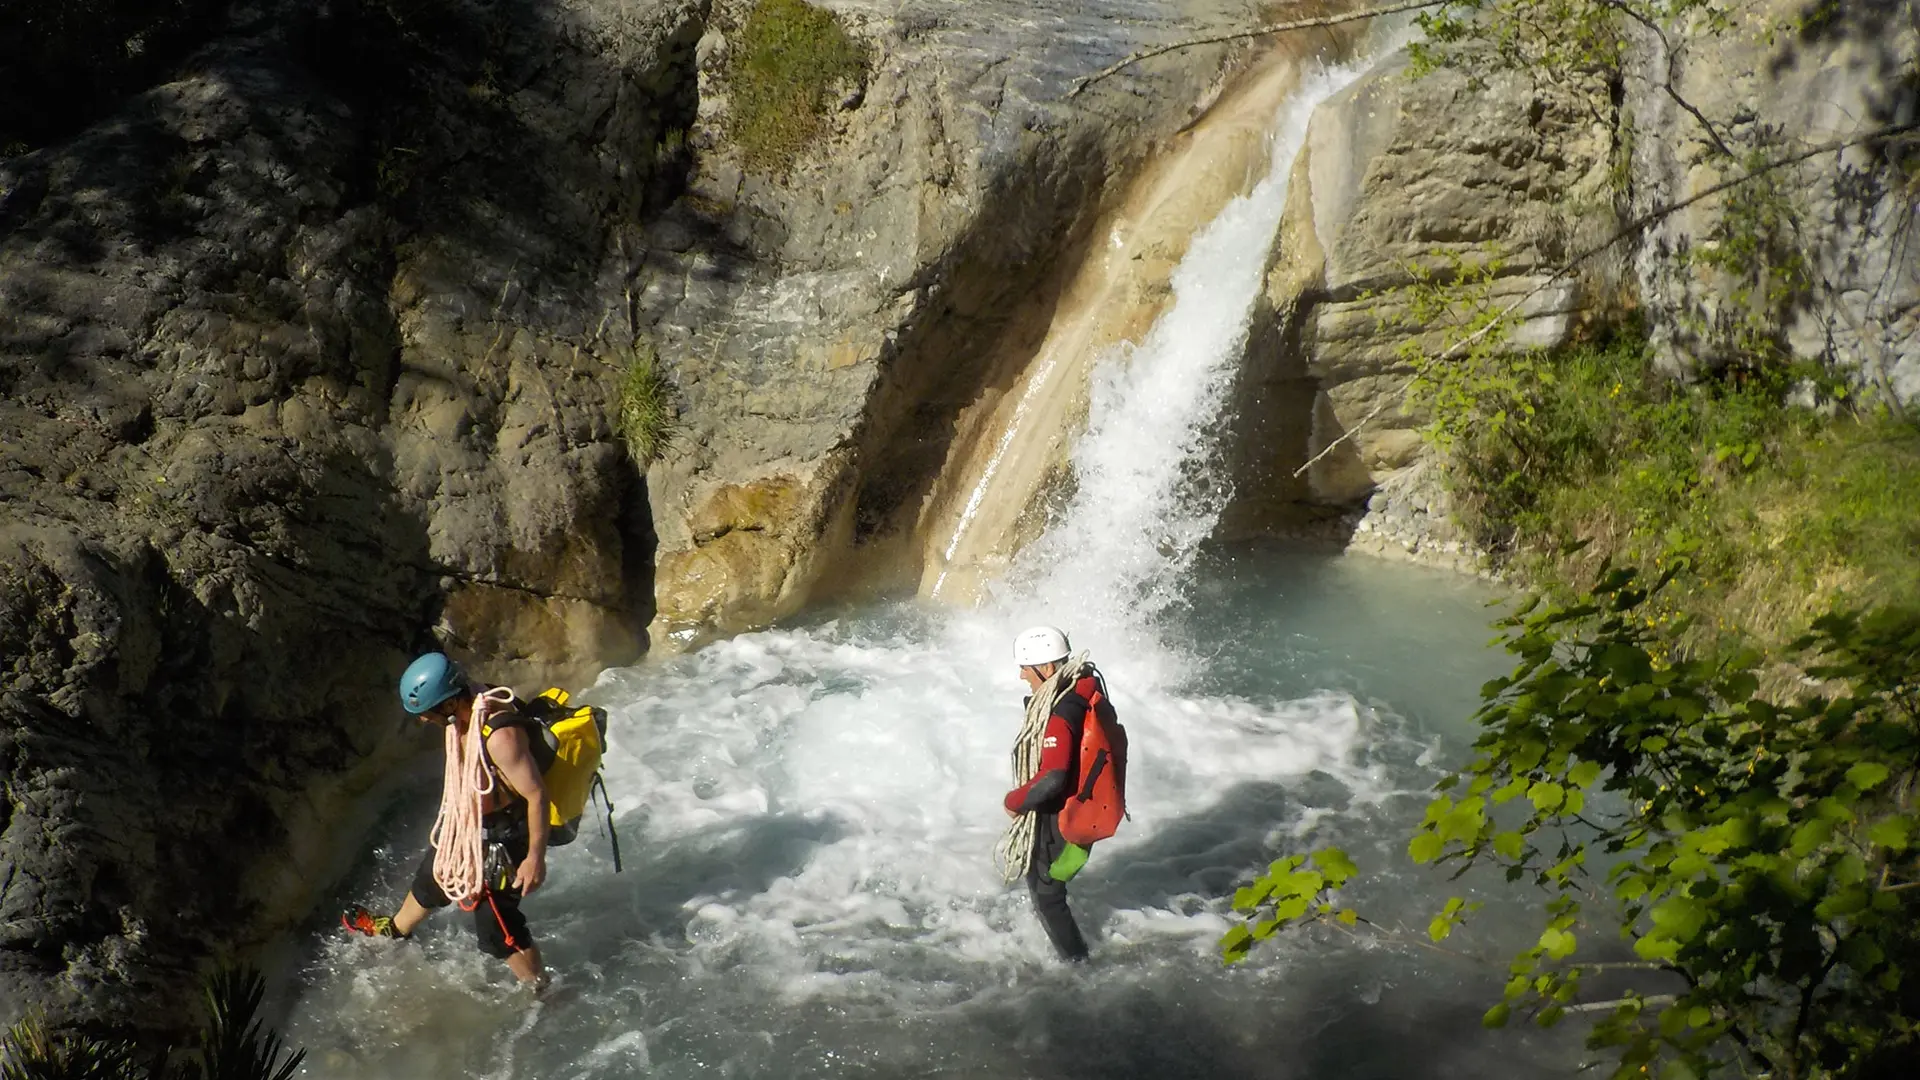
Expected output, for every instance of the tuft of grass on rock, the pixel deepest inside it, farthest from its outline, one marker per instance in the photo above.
(28, 1051)
(648, 421)
(789, 63)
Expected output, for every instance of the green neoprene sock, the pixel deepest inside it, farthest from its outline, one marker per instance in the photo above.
(1068, 864)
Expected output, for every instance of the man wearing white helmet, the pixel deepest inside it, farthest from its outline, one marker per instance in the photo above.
(1046, 768)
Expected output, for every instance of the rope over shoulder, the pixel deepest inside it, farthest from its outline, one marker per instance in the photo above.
(1016, 844)
(459, 836)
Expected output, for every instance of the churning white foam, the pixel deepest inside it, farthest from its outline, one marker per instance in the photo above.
(808, 814)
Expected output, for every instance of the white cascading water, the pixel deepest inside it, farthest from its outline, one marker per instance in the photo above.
(808, 814)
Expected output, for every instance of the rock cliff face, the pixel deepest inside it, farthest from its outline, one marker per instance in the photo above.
(1402, 179)
(1402, 176)
(1790, 76)
(297, 364)
(307, 360)
(825, 333)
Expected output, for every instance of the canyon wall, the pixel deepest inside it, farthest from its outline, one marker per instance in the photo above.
(311, 357)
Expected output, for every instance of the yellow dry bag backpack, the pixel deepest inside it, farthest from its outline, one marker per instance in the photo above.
(568, 742)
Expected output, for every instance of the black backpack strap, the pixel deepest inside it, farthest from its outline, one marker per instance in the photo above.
(599, 791)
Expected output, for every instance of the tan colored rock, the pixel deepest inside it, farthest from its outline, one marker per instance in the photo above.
(751, 553)
(853, 326)
(1400, 176)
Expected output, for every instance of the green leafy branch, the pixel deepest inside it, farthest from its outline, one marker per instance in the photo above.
(1757, 855)
(1761, 851)
(1290, 893)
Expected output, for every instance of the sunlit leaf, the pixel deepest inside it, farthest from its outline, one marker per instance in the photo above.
(1425, 847)
(1546, 797)
(1867, 775)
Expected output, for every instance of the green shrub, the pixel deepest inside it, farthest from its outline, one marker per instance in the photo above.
(1778, 509)
(788, 61)
(647, 421)
(28, 1051)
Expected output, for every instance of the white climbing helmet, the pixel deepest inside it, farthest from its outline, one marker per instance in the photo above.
(1038, 645)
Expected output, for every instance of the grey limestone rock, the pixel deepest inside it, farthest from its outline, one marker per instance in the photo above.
(1787, 77)
(299, 374)
(1403, 177)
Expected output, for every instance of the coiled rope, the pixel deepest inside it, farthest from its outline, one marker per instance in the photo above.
(1016, 844)
(459, 838)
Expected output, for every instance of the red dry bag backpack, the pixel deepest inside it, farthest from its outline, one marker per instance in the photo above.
(1094, 812)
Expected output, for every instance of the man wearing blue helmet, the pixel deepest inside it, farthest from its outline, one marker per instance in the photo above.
(489, 845)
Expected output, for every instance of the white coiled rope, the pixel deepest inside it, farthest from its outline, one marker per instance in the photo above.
(1016, 844)
(459, 837)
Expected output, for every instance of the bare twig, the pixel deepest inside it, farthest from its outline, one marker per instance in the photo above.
(1603, 1006)
(1672, 58)
(1632, 228)
(1349, 433)
(1240, 35)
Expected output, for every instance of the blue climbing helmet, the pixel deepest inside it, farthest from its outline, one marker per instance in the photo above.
(429, 681)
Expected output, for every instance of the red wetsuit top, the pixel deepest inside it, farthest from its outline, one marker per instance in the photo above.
(1059, 771)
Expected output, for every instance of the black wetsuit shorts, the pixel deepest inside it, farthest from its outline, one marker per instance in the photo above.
(497, 920)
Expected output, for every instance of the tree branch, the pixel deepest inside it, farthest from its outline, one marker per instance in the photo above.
(1672, 59)
(1240, 35)
(1603, 1006)
(1632, 228)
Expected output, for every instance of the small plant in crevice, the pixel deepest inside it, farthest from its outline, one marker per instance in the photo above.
(647, 421)
(232, 1043)
(28, 1051)
(789, 60)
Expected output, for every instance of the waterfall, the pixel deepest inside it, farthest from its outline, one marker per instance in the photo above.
(808, 813)
(1146, 491)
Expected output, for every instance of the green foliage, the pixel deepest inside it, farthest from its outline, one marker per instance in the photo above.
(1776, 508)
(788, 62)
(1758, 850)
(1753, 249)
(29, 1052)
(1556, 40)
(232, 1043)
(1759, 857)
(647, 420)
(235, 1044)
(1484, 387)
(1288, 894)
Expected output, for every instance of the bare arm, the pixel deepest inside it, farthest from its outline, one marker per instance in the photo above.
(511, 755)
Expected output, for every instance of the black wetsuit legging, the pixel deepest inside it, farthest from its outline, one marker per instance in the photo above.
(497, 920)
(1050, 896)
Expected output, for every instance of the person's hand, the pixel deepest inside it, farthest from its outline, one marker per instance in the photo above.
(531, 874)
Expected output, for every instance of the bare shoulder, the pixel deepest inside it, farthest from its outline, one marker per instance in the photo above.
(507, 739)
